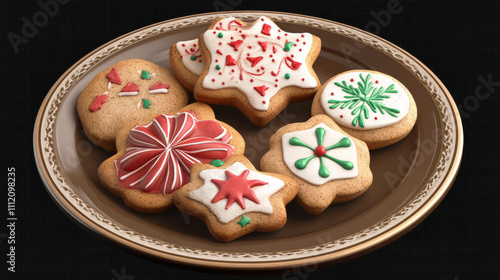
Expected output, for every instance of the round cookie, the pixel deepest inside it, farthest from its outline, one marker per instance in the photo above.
(369, 105)
(126, 91)
(235, 199)
(185, 56)
(259, 70)
(155, 155)
(328, 165)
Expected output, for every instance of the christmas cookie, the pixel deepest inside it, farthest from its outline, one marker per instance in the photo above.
(259, 70)
(235, 199)
(185, 56)
(369, 105)
(329, 165)
(127, 91)
(155, 155)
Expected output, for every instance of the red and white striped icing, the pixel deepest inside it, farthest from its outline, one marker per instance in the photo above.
(160, 154)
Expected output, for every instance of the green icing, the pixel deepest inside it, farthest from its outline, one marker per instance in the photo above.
(288, 46)
(220, 35)
(320, 135)
(193, 57)
(244, 221)
(364, 98)
(217, 162)
(287, 76)
(146, 103)
(145, 75)
(217, 67)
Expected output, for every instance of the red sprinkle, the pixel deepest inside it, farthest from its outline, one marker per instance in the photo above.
(183, 45)
(332, 93)
(279, 30)
(303, 79)
(304, 43)
(213, 80)
(352, 80)
(298, 40)
(182, 56)
(200, 61)
(302, 36)
(215, 32)
(262, 19)
(220, 43)
(263, 102)
(273, 60)
(286, 34)
(220, 73)
(291, 55)
(341, 116)
(276, 80)
(376, 82)
(232, 70)
(216, 60)
(194, 45)
(376, 118)
(300, 50)
(251, 80)
(275, 85)
(278, 37)
(223, 83)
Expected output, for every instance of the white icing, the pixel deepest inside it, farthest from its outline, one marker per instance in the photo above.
(310, 174)
(160, 90)
(109, 85)
(344, 117)
(207, 192)
(190, 48)
(128, 93)
(250, 45)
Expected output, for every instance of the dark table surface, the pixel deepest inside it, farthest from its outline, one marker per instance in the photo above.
(458, 41)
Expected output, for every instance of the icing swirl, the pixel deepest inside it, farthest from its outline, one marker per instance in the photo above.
(160, 154)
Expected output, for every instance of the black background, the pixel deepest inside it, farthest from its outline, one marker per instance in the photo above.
(458, 41)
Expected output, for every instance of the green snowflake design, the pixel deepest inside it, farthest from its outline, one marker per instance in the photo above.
(320, 152)
(364, 98)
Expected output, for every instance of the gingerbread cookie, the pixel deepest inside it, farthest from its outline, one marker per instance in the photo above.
(155, 155)
(235, 199)
(185, 56)
(329, 165)
(259, 70)
(369, 105)
(126, 91)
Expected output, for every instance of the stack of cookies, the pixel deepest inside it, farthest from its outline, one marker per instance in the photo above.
(169, 152)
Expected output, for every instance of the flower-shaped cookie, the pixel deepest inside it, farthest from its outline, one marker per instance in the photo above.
(155, 155)
(235, 199)
(329, 165)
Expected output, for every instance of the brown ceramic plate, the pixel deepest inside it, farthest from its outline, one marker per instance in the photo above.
(410, 177)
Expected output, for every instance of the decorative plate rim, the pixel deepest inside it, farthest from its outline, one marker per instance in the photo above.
(385, 231)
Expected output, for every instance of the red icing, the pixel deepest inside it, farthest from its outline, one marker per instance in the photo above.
(98, 101)
(254, 60)
(266, 28)
(294, 65)
(275, 49)
(261, 90)
(236, 188)
(230, 61)
(263, 45)
(159, 85)
(219, 52)
(243, 35)
(130, 87)
(161, 153)
(320, 151)
(236, 44)
(114, 77)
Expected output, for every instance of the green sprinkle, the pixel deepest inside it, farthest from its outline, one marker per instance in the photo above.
(220, 35)
(288, 46)
(217, 67)
(146, 103)
(287, 76)
(217, 162)
(145, 75)
(193, 57)
(244, 221)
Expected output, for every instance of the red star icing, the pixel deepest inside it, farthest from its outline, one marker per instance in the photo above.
(113, 76)
(130, 87)
(230, 61)
(254, 60)
(261, 90)
(98, 101)
(263, 45)
(275, 49)
(235, 44)
(235, 188)
(159, 85)
(160, 154)
(266, 28)
(294, 65)
(244, 36)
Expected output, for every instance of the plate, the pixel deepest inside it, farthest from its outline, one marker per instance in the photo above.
(410, 177)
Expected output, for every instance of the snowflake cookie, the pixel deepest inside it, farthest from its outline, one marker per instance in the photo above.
(259, 69)
(369, 105)
(234, 199)
(155, 155)
(329, 165)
